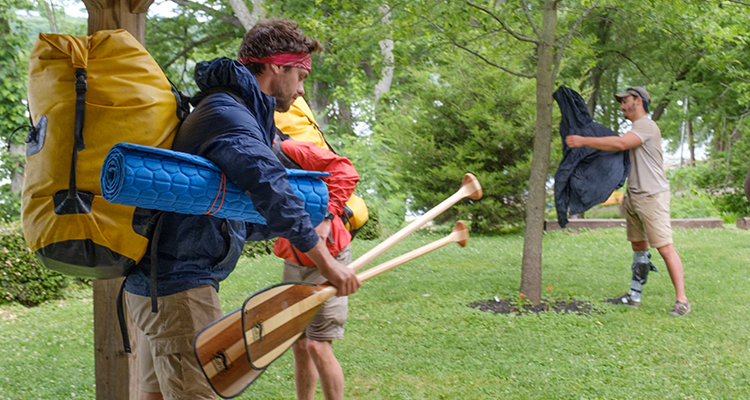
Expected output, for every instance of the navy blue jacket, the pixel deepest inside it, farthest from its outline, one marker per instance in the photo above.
(202, 250)
(586, 176)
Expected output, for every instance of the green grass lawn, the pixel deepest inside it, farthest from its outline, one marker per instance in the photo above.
(411, 335)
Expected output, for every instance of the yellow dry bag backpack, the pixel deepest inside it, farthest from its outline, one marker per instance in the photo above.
(299, 124)
(85, 95)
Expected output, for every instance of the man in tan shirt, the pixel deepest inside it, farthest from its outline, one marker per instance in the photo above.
(647, 199)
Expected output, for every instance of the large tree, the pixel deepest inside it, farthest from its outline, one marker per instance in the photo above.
(529, 30)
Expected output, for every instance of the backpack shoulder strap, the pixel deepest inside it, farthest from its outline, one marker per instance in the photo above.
(278, 150)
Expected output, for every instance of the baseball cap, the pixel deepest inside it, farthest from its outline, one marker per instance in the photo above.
(634, 91)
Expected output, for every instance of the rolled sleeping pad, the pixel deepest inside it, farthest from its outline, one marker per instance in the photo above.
(168, 180)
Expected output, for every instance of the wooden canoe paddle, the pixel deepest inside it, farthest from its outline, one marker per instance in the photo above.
(273, 319)
(217, 346)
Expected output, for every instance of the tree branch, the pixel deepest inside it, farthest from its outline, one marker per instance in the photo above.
(740, 2)
(192, 46)
(230, 19)
(561, 52)
(518, 36)
(468, 50)
(664, 102)
(531, 20)
(521, 74)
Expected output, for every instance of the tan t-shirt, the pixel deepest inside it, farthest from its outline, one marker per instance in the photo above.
(647, 175)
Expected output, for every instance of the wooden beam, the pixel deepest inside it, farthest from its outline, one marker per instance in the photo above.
(115, 14)
(117, 373)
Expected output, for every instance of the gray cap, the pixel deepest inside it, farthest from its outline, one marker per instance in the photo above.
(634, 91)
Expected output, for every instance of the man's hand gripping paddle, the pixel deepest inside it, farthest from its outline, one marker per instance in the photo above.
(220, 346)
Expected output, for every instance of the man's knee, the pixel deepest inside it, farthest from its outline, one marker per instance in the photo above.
(319, 348)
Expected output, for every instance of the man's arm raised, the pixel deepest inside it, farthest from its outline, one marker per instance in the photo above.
(606, 143)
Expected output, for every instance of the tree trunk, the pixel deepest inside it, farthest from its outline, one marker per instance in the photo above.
(247, 18)
(596, 75)
(243, 14)
(345, 116)
(319, 102)
(691, 142)
(531, 269)
(386, 49)
(659, 110)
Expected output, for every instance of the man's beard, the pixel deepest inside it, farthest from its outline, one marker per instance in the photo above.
(283, 103)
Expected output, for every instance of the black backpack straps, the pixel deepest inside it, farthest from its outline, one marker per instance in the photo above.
(159, 217)
(296, 257)
(81, 87)
(155, 224)
(121, 319)
(278, 150)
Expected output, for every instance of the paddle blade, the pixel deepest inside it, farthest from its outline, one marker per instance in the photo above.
(221, 354)
(273, 319)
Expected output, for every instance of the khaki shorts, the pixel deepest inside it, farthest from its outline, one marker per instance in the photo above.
(328, 323)
(167, 361)
(648, 219)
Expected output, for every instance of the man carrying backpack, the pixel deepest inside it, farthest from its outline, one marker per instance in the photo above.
(313, 352)
(232, 125)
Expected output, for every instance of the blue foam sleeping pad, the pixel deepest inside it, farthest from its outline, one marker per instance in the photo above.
(167, 180)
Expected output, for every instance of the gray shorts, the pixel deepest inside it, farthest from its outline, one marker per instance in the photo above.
(328, 323)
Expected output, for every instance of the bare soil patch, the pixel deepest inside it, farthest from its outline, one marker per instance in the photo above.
(510, 306)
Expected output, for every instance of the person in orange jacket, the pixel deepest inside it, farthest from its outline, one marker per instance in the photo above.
(313, 352)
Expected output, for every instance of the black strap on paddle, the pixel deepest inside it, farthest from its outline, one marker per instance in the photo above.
(155, 225)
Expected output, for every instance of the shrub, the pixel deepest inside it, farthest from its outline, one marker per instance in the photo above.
(22, 278)
(256, 249)
(371, 230)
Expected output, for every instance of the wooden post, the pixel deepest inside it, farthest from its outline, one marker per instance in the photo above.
(117, 373)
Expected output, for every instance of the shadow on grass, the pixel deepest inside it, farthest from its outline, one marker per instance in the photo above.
(511, 306)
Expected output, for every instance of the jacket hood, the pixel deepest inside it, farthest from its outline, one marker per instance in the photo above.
(573, 108)
(228, 73)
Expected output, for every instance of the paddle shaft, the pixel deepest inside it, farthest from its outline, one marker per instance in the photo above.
(269, 334)
(460, 235)
(470, 187)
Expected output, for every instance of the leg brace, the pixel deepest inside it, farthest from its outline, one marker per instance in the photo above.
(641, 266)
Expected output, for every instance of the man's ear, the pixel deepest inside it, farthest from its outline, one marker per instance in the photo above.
(273, 69)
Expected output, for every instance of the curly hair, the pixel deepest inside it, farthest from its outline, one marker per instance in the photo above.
(273, 36)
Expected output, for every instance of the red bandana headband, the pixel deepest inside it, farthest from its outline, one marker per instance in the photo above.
(296, 60)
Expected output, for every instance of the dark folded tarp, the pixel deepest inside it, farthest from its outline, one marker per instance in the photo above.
(585, 177)
(167, 180)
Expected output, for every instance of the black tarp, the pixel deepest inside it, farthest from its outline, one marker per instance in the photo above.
(585, 176)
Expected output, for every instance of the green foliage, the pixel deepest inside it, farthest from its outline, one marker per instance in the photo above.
(463, 117)
(693, 204)
(14, 46)
(195, 33)
(10, 204)
(22, 279)
(257, 249)
(372, 229)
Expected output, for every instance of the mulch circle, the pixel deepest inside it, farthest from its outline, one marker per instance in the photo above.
(508, 306)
